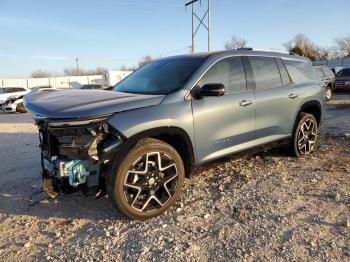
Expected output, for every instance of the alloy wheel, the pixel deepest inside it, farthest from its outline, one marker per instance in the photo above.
(150, 182)
(307, 136)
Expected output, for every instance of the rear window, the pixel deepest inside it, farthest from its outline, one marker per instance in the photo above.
(300, 71)
(266, 73)
(344, 72)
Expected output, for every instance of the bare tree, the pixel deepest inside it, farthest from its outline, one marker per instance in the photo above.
(324, 53)
(303, 46)
(342, 47)
(70, 71)
(126, 68)
(235, 43)
(40, 74)
(98, 71)
(145, 60)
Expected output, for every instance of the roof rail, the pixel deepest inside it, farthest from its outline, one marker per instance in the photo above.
(245, 49)
(264, 50)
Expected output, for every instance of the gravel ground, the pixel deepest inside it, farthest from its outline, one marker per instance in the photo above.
(262, 207)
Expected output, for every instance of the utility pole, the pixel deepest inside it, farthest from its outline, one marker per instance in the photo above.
(209, 27)
(77, 60)
(192, 46)
(201, 22)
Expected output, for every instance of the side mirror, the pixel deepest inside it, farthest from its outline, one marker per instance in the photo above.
(211, 90)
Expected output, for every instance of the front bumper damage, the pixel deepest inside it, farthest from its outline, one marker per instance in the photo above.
(76, 154)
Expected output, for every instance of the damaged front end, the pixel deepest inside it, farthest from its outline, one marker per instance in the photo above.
(76, 154)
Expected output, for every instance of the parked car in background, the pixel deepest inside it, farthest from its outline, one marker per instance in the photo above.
(94, 86)
(139, 141)
(41, 87)
(44, 88)
(342, 80)
(6, 92)
(328, 78)
(13, 104)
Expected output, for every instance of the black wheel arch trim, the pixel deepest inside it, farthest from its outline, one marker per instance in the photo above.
(157, 133)
(312, 103)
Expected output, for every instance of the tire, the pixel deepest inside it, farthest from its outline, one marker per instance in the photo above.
(304, 137)
(329, 93)
(142, 187)
(20, 108)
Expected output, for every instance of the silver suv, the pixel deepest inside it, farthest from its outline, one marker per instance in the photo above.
(139, 142)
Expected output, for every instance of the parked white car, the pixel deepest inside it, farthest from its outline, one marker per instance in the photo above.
(11, 99)
(7, 92)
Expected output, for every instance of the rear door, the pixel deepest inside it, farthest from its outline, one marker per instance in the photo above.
(225, 124)
(276, 99)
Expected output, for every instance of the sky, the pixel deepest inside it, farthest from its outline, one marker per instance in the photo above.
(50, 34)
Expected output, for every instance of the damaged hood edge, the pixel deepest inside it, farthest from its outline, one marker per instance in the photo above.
(83, 104)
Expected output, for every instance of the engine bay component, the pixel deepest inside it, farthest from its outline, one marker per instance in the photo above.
(75, 171)
(76, 158)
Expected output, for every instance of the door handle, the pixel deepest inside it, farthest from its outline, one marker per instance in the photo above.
(245, 103)
(292, 96)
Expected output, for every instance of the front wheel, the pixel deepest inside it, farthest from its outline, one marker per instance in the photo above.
(148, 180)
(329, 93)
(305, 135)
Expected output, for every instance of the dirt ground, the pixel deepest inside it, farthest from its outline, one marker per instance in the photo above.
(263, 207)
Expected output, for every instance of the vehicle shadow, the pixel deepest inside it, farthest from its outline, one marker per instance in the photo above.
(25, 198)
(20, 185)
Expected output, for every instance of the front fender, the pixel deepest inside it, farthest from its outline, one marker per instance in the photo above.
(166, 115)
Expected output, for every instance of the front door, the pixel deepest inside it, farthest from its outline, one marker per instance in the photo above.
(225, 124)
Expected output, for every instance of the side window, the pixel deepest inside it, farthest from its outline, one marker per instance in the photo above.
(284, 73)
(300, 71)
(2, 90)
(229, 72)
(328, 72)
(266, 73)
(9, 90)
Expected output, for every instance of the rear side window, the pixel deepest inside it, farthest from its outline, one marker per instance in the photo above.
(229, 72)
(300, 71)
(284, 73)
(266, 73)
(319, 72)
(328, 72)
(2, 90)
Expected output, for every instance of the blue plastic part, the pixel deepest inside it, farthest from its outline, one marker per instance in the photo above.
(76, 171)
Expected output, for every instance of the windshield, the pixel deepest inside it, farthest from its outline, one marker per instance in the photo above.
(344, 72)
(160, 77)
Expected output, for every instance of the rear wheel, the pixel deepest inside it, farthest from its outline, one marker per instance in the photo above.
(329, 93)
(305, 135)
(148, 180)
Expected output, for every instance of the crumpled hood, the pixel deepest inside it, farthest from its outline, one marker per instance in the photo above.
(70, 104)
